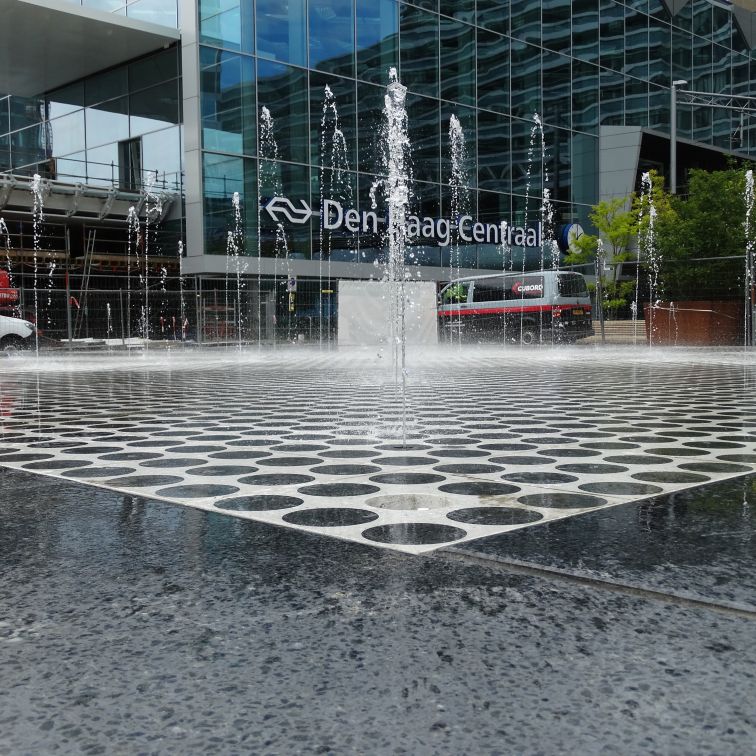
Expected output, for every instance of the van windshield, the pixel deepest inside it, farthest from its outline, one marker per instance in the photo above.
(572, 285)
(455, 292)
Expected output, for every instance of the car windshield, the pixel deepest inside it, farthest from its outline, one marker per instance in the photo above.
(572, 285)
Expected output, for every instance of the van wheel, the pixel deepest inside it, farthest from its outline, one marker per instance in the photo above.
(528, 337)
(12, 343)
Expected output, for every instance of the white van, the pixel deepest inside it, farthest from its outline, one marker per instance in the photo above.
(15, 333)
(540, 306)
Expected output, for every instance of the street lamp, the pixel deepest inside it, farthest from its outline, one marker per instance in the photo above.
(673, 135)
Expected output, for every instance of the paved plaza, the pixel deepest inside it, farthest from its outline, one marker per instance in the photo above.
(203, 553)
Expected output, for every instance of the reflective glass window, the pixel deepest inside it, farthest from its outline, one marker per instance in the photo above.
(682, 56)
(660, 59)
(585, 29)
(612, 94)
(106, 86)
(557, 15)
(702, 57)
(612, 35)
(494, 15)
(493, 72)
(293, 182)
(4, 115)
(163, 12)
(468, 121)
(102, 165)
(585, 81)
(424, 116)
(332, 36)
(419, 50)
(5, 158)
(721, 22)
(494, 164)
(377, 39)
(701, 18)
(557, 171)
(526, 160)
(108, 122)
(584, 155)
(29, 146)
(222, 176)
(227, 23)
(154, 108)
(65, 100)
(457, 62)
(557, 80)
(525, 20)
(463, 10)
(333, 121)
(526, 84)
(282, 30)
(228, 104)
(636, 102)
(164, 65)
(721, 69)
(66, 134)
(283, 90)
(369, 119)
(636, 45)
(161, 156)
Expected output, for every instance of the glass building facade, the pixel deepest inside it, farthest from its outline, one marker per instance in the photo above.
(584, 66)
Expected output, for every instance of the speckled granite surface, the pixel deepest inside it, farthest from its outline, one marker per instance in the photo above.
(131, 626)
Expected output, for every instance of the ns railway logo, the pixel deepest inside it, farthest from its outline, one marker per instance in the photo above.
(440, 231)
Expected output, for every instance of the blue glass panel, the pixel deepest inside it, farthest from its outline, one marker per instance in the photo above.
(423, 115)
(283, 90)
(282, 30)
(323, 122)
(332, 36)
(494, 164)
(494, 15)
(585, 29)
(526, 84)
(457, 61)
(493, 71)
(227, 23)
(585, 97)
(377, 39)
(419, 50)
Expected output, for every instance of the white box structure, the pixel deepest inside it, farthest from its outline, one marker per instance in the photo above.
(365, 312)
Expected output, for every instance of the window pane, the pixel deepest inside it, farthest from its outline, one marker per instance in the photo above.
(227, 23)
(457, 62)
(526, 85)
(108, 122)
(556, 25)
(494, 168)
(377, 41)
(494, 15)
(281, 30)
(585, 29)
(423, 114)
(557, 80)
(283, 90)
(493, 72)
(339, 146)
(154, 108)
(525, 21)
(332, 36)
(67, 134)
(228, 104)
(585, 80)
(419, 50)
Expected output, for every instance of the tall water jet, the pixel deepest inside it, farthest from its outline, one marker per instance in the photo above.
(269, 179)
(748, 328)
(335, 185)
(5, 233)
(153, 204)
(647, 249)
(182, 302)
(460, 203)
(37, 220)
(396, 170)
(235, 242)
(132, 245)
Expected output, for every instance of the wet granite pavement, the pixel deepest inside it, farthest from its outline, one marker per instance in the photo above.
(136, 626)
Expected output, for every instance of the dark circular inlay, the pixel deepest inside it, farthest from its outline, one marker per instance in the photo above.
(339, 489)
(678, 451)
(638, 459)
(738, 458)
(459, 453)
(413, 533)
(404, 461)
(479, 488)
(620, 488)
(570, 452)
(609, 445)
(508, 447)
(243, 454)
(557, 500)
(521, 460)
(713, 445)
(714, 467)
(24, 457)
(197, 490)
(57, 464)
(494, 516)
(129, 456)
(330, 517)
(93, 450)
(592, 468)
(219, 470)
(259, 503)
(468, 469)
(168, 462)
(298, 447)
(544, 478)
(56, 444)
(548, 440)
(195, 449)
(348, 453)
(407, 478)
(402, 447)
(670, 476)
(289, 461)
(276, 479)
(137, 481)
(99, 472)
(154, 443)
(255, 442)
(453, 441)
(345, 469)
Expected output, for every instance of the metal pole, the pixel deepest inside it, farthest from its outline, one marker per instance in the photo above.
(120, 301)
(69, 329)
(673, 135)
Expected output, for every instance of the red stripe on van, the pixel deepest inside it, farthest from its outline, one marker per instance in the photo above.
(500, 310)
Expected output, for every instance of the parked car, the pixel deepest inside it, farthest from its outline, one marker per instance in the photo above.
(15, 333)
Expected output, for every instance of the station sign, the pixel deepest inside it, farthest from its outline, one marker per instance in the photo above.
(440, 231)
